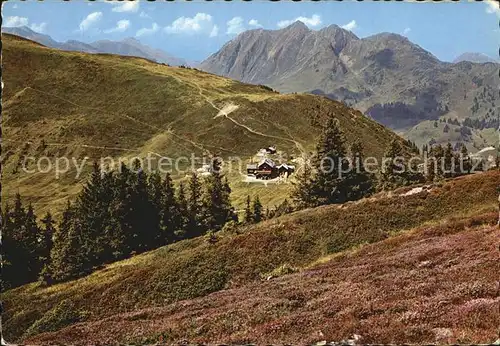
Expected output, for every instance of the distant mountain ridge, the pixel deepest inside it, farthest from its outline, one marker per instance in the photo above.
(389, 78)
(128, 46)
(479, 58)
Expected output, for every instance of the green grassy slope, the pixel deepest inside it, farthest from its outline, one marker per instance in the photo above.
(99, 105)
(194, 268)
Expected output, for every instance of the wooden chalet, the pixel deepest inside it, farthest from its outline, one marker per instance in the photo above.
(267, 169)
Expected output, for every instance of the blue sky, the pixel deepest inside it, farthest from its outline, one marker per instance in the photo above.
(194, 30)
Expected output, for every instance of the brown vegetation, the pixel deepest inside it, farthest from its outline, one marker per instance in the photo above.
(434, 284)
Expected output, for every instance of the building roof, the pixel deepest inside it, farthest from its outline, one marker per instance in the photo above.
(286, 166)
(268, 161)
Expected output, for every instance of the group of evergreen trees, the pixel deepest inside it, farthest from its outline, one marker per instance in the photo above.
(396, 170)
(336, 175)
(25, 244)
(115, 215)
(332, 177)
(253, 211)
(446, 162)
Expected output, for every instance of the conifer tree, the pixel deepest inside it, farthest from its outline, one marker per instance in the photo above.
(31, 244)
(303, 196)
(142, 212)
(93, 213)
(282, 209)
(157, 198)
(22, 233)
(169, 214)
(431, 166)
(329, 183)
(18, 217)
(360, 183)
(465, 165)
(46, 241)
(248, 211)
(67, 257)
(10, 248)
(449, 161)
(395, 171)
(268, 214)
(438, 152)
(121, 213)
(217, 209)
(183, 212)
(257, 210)
(194, 207)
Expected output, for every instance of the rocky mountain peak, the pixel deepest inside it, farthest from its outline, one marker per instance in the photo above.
(296, 27)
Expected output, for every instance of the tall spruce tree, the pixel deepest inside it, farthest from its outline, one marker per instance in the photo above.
(449, 161)
(360, 182)
(93, 214)
(10, 248)
(183, 212)
(68, 257)
(465, 165)
(217, 208)
(47, 243)
(329, 183)
(248, 211)
(302, 195)
(156, 196)
(194, 228)
(121, 213)
(438, 153)
(22, 234)
(169, 215)
(395, 171)
(31, 244)
(142, 212)
(257, 210)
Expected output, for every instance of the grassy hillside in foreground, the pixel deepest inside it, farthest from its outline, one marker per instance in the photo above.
(433, 285)
(99, 105)
(195, 268)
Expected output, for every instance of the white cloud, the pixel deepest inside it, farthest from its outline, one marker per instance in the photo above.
(15, 21)
(126, 6)
(199, 24)
(406, 31)
(235, 26)
(492, 6)
(144, 15)
(121, 26)
(215, 31)
(313, 21)
(148, 31)
(255, 23)
(14, 6)
(38, 27)
(90, 20)
(350, 26)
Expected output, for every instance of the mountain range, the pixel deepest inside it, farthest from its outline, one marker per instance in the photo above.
(475, 57)
(128, 46)
(386, 76)
(98, 105)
